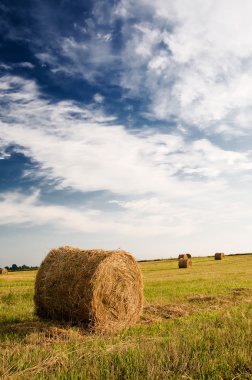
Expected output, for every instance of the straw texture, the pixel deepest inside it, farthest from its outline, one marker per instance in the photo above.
(101, 288)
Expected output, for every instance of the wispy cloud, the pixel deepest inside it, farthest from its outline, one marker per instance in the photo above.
(197, 62)
(17, 208)
(167, 181)
(87, 150)
(190, 62)
(26, 65)
(88, 53)
(30, 211)
(23, 65)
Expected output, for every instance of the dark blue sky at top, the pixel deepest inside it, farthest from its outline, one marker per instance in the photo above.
(31, 27)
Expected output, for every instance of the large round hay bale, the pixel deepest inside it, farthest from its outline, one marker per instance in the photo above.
(219, 256)
(184, 263)
(3, 271)
(101, 288)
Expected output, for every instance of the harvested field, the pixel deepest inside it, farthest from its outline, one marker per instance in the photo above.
(212, 301)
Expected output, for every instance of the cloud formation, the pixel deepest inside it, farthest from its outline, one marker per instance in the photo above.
(197, 62)
(189, 61)
(150, 175)
(82, 148)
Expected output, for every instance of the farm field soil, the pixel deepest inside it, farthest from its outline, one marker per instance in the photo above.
(197, 324)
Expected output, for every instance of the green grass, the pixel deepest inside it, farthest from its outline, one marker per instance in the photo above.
(197, 324)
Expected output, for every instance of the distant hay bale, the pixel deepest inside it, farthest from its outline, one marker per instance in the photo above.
(184, 263)
(185, 256)
(3, 271)
(219, 256)
(103, 289)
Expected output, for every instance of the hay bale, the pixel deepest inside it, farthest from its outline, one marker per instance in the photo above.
(184, 263)
(219, 256)
(103, 289)
(3, 271)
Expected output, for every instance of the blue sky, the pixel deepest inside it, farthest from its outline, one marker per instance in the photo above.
(125, 124)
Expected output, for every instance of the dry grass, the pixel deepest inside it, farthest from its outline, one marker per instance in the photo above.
(102, 289)
(154, 313)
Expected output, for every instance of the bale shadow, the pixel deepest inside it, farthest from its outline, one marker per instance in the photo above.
(21, 330)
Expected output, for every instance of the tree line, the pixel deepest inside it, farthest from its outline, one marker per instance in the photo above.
(15, 267)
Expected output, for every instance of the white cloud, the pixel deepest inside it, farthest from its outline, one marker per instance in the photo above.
(3, 66)
(19, 209)
(194, 60)
(190, 60)
(85, 150)
(26, 65)
(146, 217)
(106, 37)
(98, 98)
(29, 211)
(46, 58)
(89, 56)
(160, 185)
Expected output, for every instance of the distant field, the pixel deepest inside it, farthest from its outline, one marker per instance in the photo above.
(197, 324)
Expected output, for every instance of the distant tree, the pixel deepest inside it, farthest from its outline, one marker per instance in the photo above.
(15, 267)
